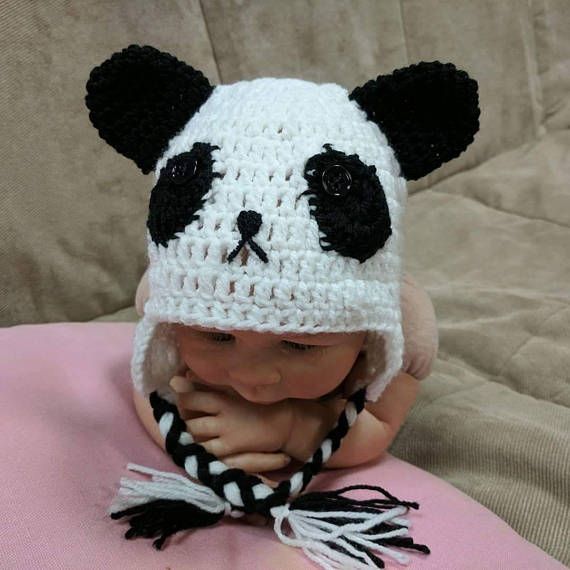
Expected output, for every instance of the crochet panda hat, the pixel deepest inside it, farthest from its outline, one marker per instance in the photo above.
(277, 207)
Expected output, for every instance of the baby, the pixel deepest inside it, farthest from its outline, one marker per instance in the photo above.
(259, 400)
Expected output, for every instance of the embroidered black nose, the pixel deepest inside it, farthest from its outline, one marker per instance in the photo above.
(248, 222)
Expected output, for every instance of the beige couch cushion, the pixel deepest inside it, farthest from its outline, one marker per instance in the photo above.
(491, 245)
(73, 210)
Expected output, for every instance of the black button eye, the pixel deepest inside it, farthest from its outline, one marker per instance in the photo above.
(336, 180)
(348, 203)
(182, 168)
(179, 193)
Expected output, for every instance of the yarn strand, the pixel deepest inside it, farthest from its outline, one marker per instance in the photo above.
(333, 530)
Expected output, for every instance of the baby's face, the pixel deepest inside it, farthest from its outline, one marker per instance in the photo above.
(266, 368)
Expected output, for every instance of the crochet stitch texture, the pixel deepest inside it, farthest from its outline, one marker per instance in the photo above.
(270, 145)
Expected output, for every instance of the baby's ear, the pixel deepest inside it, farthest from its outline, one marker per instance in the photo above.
(142, 294)
(428, 111)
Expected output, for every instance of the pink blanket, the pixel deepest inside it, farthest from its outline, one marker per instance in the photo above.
(69, 429)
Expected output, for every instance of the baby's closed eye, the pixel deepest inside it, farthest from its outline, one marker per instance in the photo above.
(295, 346)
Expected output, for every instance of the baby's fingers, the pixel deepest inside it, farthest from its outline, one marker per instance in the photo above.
(209, 402)
(253, 462)
(207, 427)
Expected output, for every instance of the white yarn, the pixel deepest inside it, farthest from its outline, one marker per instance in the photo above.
(231, 490)
(266, 130)
(310, 534)
(166, 485)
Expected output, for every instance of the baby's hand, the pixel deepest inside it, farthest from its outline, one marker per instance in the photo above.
(243, 434)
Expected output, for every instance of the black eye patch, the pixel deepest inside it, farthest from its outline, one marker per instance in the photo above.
(179, 192)
(348, 204)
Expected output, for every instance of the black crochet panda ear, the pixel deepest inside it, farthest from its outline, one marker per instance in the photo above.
(140, 98)
(428, 111)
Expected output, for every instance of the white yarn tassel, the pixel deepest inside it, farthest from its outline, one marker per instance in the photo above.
(171, 486)
(174, 497)
(310, 534)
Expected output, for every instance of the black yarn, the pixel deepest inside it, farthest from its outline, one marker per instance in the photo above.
(334, 501)
(249, 222)
(179, 192)
(350, 207)
(180, 452)
(428, 111)
(245, 481)
(140, 98)
(164, 517)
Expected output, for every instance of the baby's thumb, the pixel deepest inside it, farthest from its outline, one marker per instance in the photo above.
(181, 384)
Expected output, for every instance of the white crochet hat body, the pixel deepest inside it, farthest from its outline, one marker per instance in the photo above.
(265, 131)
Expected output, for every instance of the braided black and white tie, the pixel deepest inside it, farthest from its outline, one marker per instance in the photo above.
(333, 530)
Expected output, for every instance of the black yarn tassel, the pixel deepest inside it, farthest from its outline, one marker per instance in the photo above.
(323, 501)
(164, 517)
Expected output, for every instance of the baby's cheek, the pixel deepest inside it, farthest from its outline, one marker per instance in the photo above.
(338, 371)
(313, 387)
(198, 364)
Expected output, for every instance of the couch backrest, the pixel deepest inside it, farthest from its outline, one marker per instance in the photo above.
(73, 211)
